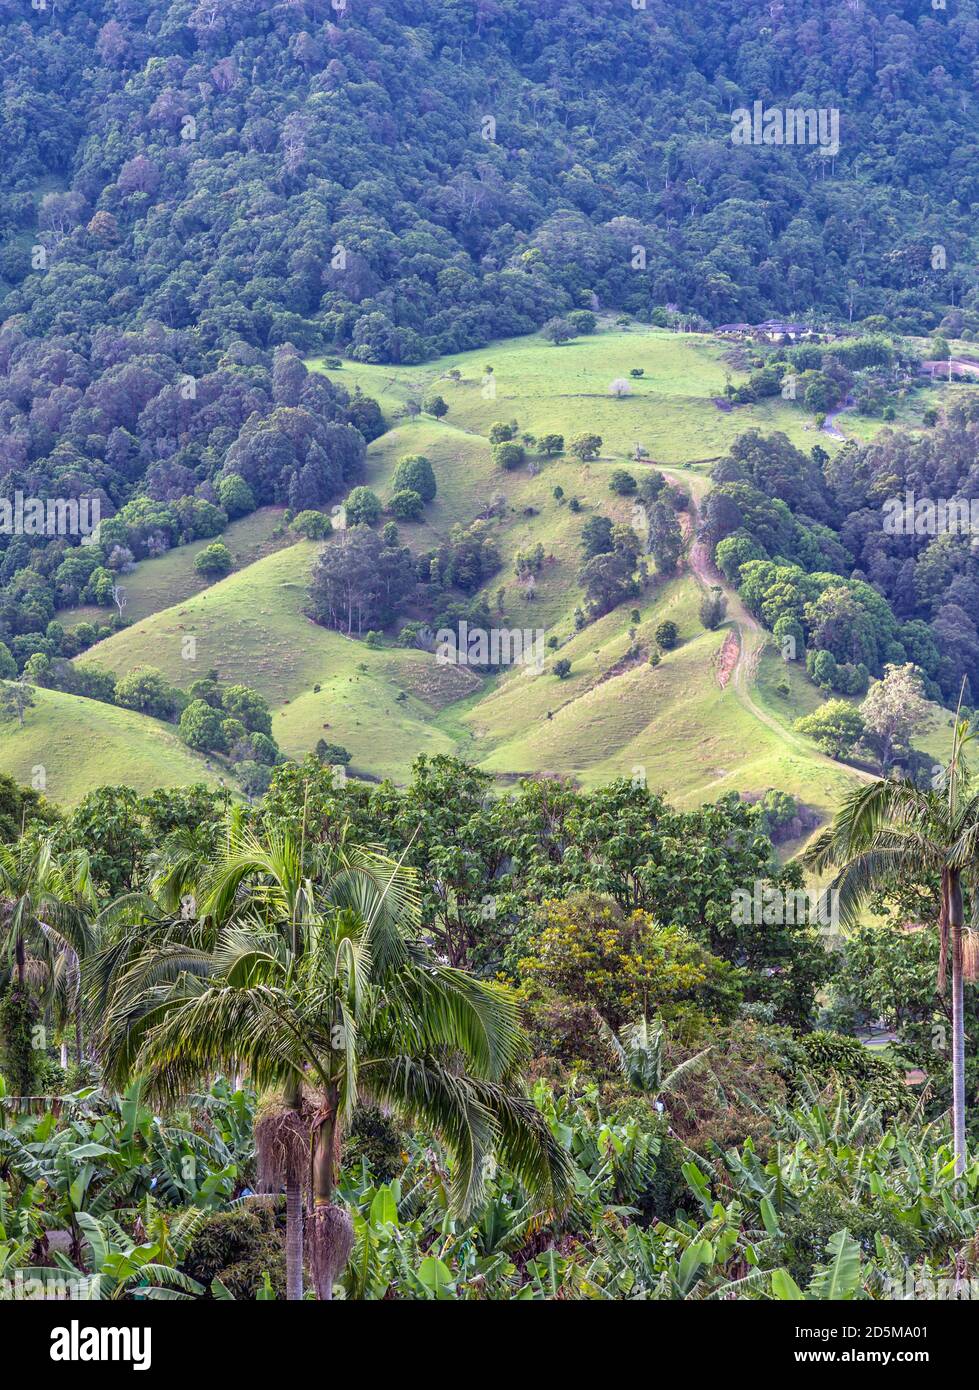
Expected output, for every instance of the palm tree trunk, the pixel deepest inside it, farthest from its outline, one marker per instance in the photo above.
(78, 1032)
(294, 1241)
(958, 1025)
(331, 1234)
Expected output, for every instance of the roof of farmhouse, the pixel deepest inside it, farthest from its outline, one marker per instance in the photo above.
(769, 325)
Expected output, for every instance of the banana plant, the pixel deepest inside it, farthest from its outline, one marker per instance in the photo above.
(841, 1278)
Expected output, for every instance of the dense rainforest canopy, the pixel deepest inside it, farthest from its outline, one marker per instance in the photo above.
(195, 196)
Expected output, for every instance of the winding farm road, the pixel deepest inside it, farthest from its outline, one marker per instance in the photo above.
(751, 636)
(829, 424)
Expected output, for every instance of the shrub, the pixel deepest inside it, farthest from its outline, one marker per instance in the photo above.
(238, 1247)
(363, 507)
(332, 753)
(406, 505)
(379, 1140)
(835, 1059)
(667, 635)
(622, 483)
(313, 526)
(214, 560)
(713, 608)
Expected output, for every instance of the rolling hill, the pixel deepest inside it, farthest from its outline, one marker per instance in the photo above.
(68, 745)
(691, 726)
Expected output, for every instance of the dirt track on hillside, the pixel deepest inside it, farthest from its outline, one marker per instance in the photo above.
(749, 634)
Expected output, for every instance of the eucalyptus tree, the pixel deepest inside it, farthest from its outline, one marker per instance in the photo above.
(894, 830)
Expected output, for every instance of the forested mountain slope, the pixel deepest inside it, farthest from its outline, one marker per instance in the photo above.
(481, 163)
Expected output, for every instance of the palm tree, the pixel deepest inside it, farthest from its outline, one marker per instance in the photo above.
(47, 904)
(190, 896)
(317, 985)
(68, 936)
(892, 830)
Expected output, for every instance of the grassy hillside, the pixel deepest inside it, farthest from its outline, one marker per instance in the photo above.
(171, 578)
(251, 627)
(671, 409)
(692, 731)
(80, 744)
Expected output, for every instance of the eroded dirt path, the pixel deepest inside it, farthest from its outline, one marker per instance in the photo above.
(748, 632)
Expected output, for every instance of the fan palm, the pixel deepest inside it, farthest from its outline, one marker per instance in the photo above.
(892, 830)
(316, 984)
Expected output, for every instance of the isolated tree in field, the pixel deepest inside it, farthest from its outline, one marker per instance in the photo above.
(894, 711)
(895, 833)
(558, 331)
(435, 405)
(713, 608)
(834, 727)
(415, 471)
(620, 387)
(214, 560)
(562, 668)
(667, 635)
(586, 446)
(551, 444)
(312, 526)
(16, 697)
(508, 455)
